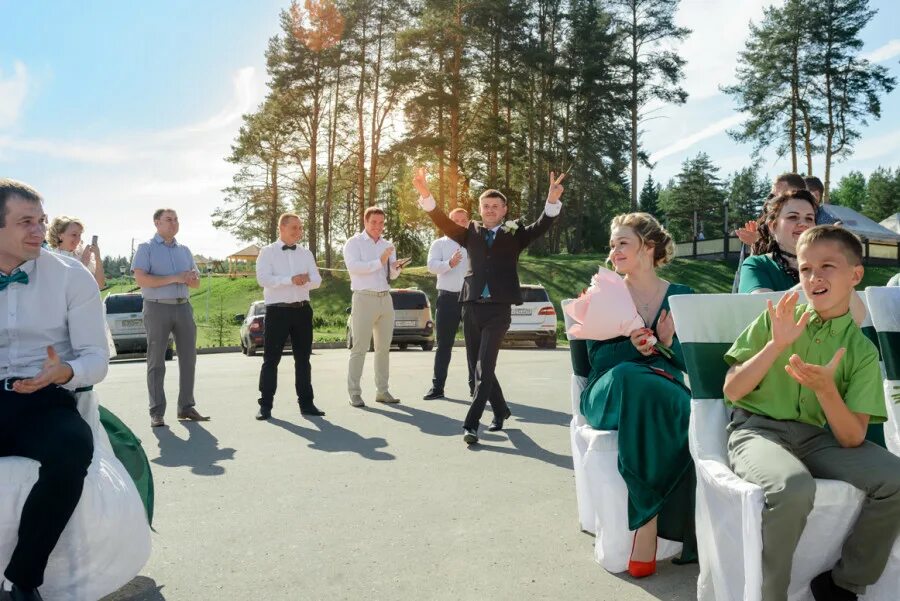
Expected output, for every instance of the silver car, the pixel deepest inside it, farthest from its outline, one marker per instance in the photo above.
(125, 317)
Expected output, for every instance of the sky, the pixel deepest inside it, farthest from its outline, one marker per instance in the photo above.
(113, 109)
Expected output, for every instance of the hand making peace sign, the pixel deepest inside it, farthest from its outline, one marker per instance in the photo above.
(556, 188)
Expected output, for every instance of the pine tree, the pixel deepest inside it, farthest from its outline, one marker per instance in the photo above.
(746, 192)
(695, 203)
(650, 197)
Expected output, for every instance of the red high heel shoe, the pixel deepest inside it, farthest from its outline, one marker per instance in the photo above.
(641, 569)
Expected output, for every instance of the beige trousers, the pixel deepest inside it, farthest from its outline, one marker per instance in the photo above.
(372, 313)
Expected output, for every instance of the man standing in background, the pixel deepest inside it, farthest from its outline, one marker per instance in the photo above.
(287, 272)
(372, 263)
(449, 262)
(165, 269)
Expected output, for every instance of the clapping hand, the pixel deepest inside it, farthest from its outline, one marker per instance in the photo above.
(456, 258)
(420, 183)
(556, 188)
(54, 371)
(749, 233)
(300, 279)
(665, 328)
(386, 255)
(818, 378)
(784, 329)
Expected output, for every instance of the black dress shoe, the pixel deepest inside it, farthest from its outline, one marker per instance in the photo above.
(824, 589)
(433, 393)
(470, 436)
(498, 425)
(263, 413)
(311, 410)
(18, 594)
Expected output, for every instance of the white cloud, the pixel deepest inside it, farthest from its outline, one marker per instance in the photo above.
(877, 146)
(686, 142)
(115, 183)
(13, 90)
(883, 53)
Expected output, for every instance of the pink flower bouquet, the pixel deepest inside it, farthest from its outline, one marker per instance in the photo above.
(606, 310)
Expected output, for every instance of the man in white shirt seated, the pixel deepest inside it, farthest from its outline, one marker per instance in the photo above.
(52, 344)
(449, 262)
(287, 272)
(372, 263)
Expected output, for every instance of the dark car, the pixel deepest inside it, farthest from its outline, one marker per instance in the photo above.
(125, 316)
(412, 320)
(253, 328)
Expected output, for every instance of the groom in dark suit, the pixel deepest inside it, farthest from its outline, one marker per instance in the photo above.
(490, 287)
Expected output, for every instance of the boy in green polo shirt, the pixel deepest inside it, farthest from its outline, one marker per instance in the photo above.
(795, 369)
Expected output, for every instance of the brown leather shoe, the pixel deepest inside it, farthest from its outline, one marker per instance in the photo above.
(157, 422)
(193, 415)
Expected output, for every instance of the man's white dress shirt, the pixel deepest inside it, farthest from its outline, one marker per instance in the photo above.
(448, 278)
(275, 266)
(60, 307)
(362, 255)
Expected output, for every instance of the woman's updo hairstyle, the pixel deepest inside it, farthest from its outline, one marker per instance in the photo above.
(58, 226)
(650, 232)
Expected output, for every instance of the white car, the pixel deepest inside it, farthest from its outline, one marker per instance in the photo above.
(535, 318)
(125, 317)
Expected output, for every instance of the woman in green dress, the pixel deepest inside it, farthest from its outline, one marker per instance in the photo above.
(640, 393)
(773, 266)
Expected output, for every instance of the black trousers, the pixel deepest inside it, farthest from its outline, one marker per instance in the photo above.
(282, 322)
(44, 426)
(485, 325)
(447, 315)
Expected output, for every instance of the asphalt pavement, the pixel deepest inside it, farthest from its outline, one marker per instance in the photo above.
(378, 503)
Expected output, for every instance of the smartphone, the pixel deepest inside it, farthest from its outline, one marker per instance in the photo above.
(403, 262)
(94, 240)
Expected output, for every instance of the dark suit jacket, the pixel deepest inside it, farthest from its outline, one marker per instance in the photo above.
(496, 266)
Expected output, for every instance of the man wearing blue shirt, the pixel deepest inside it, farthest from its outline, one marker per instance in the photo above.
(165, 269)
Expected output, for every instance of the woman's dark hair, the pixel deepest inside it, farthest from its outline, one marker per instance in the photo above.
(767, 243)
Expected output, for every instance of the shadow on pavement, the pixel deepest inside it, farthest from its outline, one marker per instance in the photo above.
(139, 589)
(526, 413)
(335, 439)
(524, 446)
(434, 424)
(200, 451)
(670, 583)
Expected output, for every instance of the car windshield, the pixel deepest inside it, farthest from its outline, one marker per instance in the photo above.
(124, 303)
(404, 301)
(535, 295)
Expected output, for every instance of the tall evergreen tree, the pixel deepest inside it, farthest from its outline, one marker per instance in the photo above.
(745, 193)
(696, 202)
(650, 197)
(655, 71)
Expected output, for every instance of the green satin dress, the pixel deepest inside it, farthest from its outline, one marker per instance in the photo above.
(646, 400)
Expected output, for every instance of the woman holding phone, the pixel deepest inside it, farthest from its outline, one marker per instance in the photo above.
(64, 238)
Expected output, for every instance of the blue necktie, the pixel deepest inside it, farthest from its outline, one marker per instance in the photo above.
(19, 276)
(489, 239)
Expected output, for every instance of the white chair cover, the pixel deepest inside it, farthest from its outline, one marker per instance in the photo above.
(884, 307)
(729, 510)
(107, 540)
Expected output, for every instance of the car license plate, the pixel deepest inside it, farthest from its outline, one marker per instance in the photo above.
(521, 311)
(411, 323)
(132, 323)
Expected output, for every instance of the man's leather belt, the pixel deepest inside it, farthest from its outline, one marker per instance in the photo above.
(372, 292)
(296, 305)
(167, 301)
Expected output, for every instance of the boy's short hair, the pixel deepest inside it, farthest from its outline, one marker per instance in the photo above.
(849, 242)
(793, 181)
(372, 211)
(285, 216)
(491, 193)
(458, 210)
(814, 184)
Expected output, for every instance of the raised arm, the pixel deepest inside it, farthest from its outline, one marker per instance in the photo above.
(528, 234)
(453, 230)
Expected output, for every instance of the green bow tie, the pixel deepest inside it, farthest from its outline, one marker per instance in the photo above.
(6, 280)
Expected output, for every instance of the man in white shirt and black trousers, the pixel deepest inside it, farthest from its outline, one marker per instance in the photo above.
(52, 344)
(287, 272)
(449, 262)
(491, 286)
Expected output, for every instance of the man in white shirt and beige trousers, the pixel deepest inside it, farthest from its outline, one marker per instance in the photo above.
(372, 263)
(287, 272)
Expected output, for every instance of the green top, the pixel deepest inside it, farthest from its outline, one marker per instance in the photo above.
(761, 271)
(779, 396)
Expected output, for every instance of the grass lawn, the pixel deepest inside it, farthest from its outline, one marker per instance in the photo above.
(564, 276)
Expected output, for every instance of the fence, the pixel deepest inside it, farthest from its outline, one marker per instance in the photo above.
(730, 247)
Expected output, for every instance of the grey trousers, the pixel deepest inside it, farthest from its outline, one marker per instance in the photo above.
(160, 320)
(784, 457)
(370, 315)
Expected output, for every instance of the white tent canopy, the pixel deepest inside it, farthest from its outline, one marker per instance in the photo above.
(892, 223)
(862, 226)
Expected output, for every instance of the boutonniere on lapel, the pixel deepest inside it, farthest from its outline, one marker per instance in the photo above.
(510, 227)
